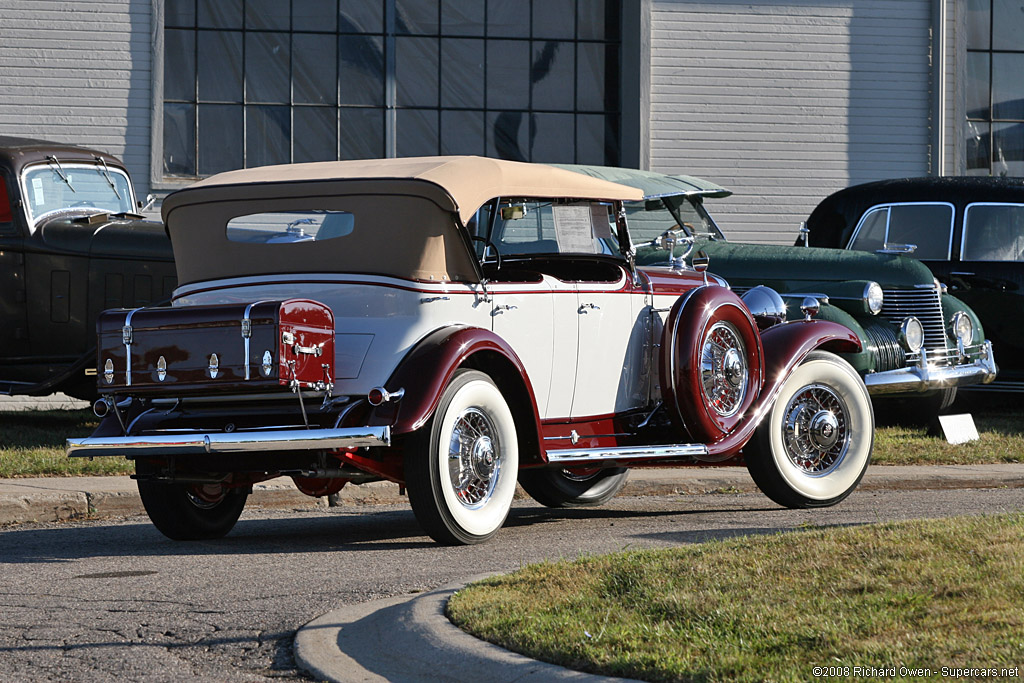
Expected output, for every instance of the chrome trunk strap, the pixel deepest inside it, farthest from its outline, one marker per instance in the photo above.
(126, 337)
(247, 332)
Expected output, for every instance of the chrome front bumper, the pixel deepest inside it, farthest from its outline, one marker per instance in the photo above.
(928, 376)
(198, 443)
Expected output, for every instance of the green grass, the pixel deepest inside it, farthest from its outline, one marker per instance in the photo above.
(922, 594)
(32, 445)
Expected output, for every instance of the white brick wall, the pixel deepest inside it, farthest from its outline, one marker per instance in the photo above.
(785, 102)
(79, 72)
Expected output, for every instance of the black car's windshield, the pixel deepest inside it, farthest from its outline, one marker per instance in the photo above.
(57, 186)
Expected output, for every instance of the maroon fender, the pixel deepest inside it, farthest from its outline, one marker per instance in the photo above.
(785, 347)
(427, 369)
(692, 319)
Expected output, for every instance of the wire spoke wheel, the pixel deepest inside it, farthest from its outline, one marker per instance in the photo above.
(723, 369)
(474, 460)
(816, 430)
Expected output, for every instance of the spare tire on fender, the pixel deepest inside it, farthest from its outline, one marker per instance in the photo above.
(712, 362)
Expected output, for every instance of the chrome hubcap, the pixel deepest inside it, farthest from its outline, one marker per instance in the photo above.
(815, 430)
(723, 369)
(474, 458)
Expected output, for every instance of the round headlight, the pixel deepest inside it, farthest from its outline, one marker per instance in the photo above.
(873, 298)
(912, 334)
(961, 328)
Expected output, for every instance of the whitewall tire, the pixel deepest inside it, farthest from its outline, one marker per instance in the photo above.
(814, 446)
(461, 468)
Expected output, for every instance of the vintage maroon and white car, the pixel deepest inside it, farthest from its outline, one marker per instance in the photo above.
(454, 325)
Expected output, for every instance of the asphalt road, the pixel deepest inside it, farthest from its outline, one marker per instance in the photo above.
(105, 599)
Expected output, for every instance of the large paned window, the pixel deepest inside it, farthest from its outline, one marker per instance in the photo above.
(995, 88)
(256, 82)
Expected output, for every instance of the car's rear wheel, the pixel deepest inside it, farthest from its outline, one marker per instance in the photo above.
(460, 469)
(561, 488)
(190, 512)
(815, 445)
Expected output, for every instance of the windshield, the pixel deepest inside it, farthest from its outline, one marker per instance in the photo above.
(537, 227)
(650, 219)
(60, 186)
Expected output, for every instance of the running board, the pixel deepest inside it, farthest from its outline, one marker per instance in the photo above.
(590, 455)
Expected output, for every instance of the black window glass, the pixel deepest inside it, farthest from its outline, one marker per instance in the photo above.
(179, 13)
(1008, 140)
(179, 139)
(552, 139)
(220, 138)
(316, 134)
(462, 132)
(554, 19)
(267, 135)
(219, 13)
(314, 68)
(551, 74)
(179, 65)
(267, 67)
(362, 133)
(361, 16)
(416, 17)
(508, 74)
(977, 85)
(220, 66)
(1008, 85)
(462, 72)
(594, 21)
(977, 149)
(417, 132)
(597, 77)
(596, 141)
(462, 17)
(416, 71)
(979, 21)
(268, 15)
(508, 18)
(1007, 24)
(315, 15)
(507, 135)
(994, 232)
(871, 232)
(361, 70)
(928, 226)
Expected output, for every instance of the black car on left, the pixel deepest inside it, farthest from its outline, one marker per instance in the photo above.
(71, 245)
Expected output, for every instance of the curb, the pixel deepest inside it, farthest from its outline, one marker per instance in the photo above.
(359, 642)
(54, 499)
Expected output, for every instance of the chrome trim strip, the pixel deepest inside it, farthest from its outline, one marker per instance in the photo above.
(928, 377)
(582, 455)
(230, 442)
(247, 331)
(127, 338)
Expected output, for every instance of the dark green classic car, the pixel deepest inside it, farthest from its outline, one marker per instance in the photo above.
(71, 245)
(919, 343)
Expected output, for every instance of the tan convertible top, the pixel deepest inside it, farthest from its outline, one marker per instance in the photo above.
(466, 181)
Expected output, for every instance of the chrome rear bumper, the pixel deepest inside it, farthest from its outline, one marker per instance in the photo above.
(198, 443)
(928, 377)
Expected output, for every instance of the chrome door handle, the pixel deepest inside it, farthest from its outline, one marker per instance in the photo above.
(502, 308)
(584, 307)
(427, 300)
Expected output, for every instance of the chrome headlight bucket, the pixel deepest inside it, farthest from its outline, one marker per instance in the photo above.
(724, 369)
(961, 328)
(911, 334)
(765, 305)
(873, 298)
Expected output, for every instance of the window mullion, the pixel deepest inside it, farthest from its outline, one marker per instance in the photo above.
(390, 87)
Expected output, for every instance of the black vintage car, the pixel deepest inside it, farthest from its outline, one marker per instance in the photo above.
(71, 245)
(968, 230)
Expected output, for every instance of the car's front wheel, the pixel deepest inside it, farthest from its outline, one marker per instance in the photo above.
(190, 512)
(460, 469)
(560, 488)
(814, 446)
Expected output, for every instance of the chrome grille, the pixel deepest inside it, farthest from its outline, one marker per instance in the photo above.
(924, 304)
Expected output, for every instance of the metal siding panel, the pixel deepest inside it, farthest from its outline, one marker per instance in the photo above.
(786, 102)
(79, 72)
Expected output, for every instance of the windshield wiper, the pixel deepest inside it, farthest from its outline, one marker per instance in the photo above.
(106, 176)
(60, 172)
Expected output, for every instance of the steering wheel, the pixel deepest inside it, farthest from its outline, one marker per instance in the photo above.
(489, 243)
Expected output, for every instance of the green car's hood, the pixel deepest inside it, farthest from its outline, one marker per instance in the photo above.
(791, 269)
